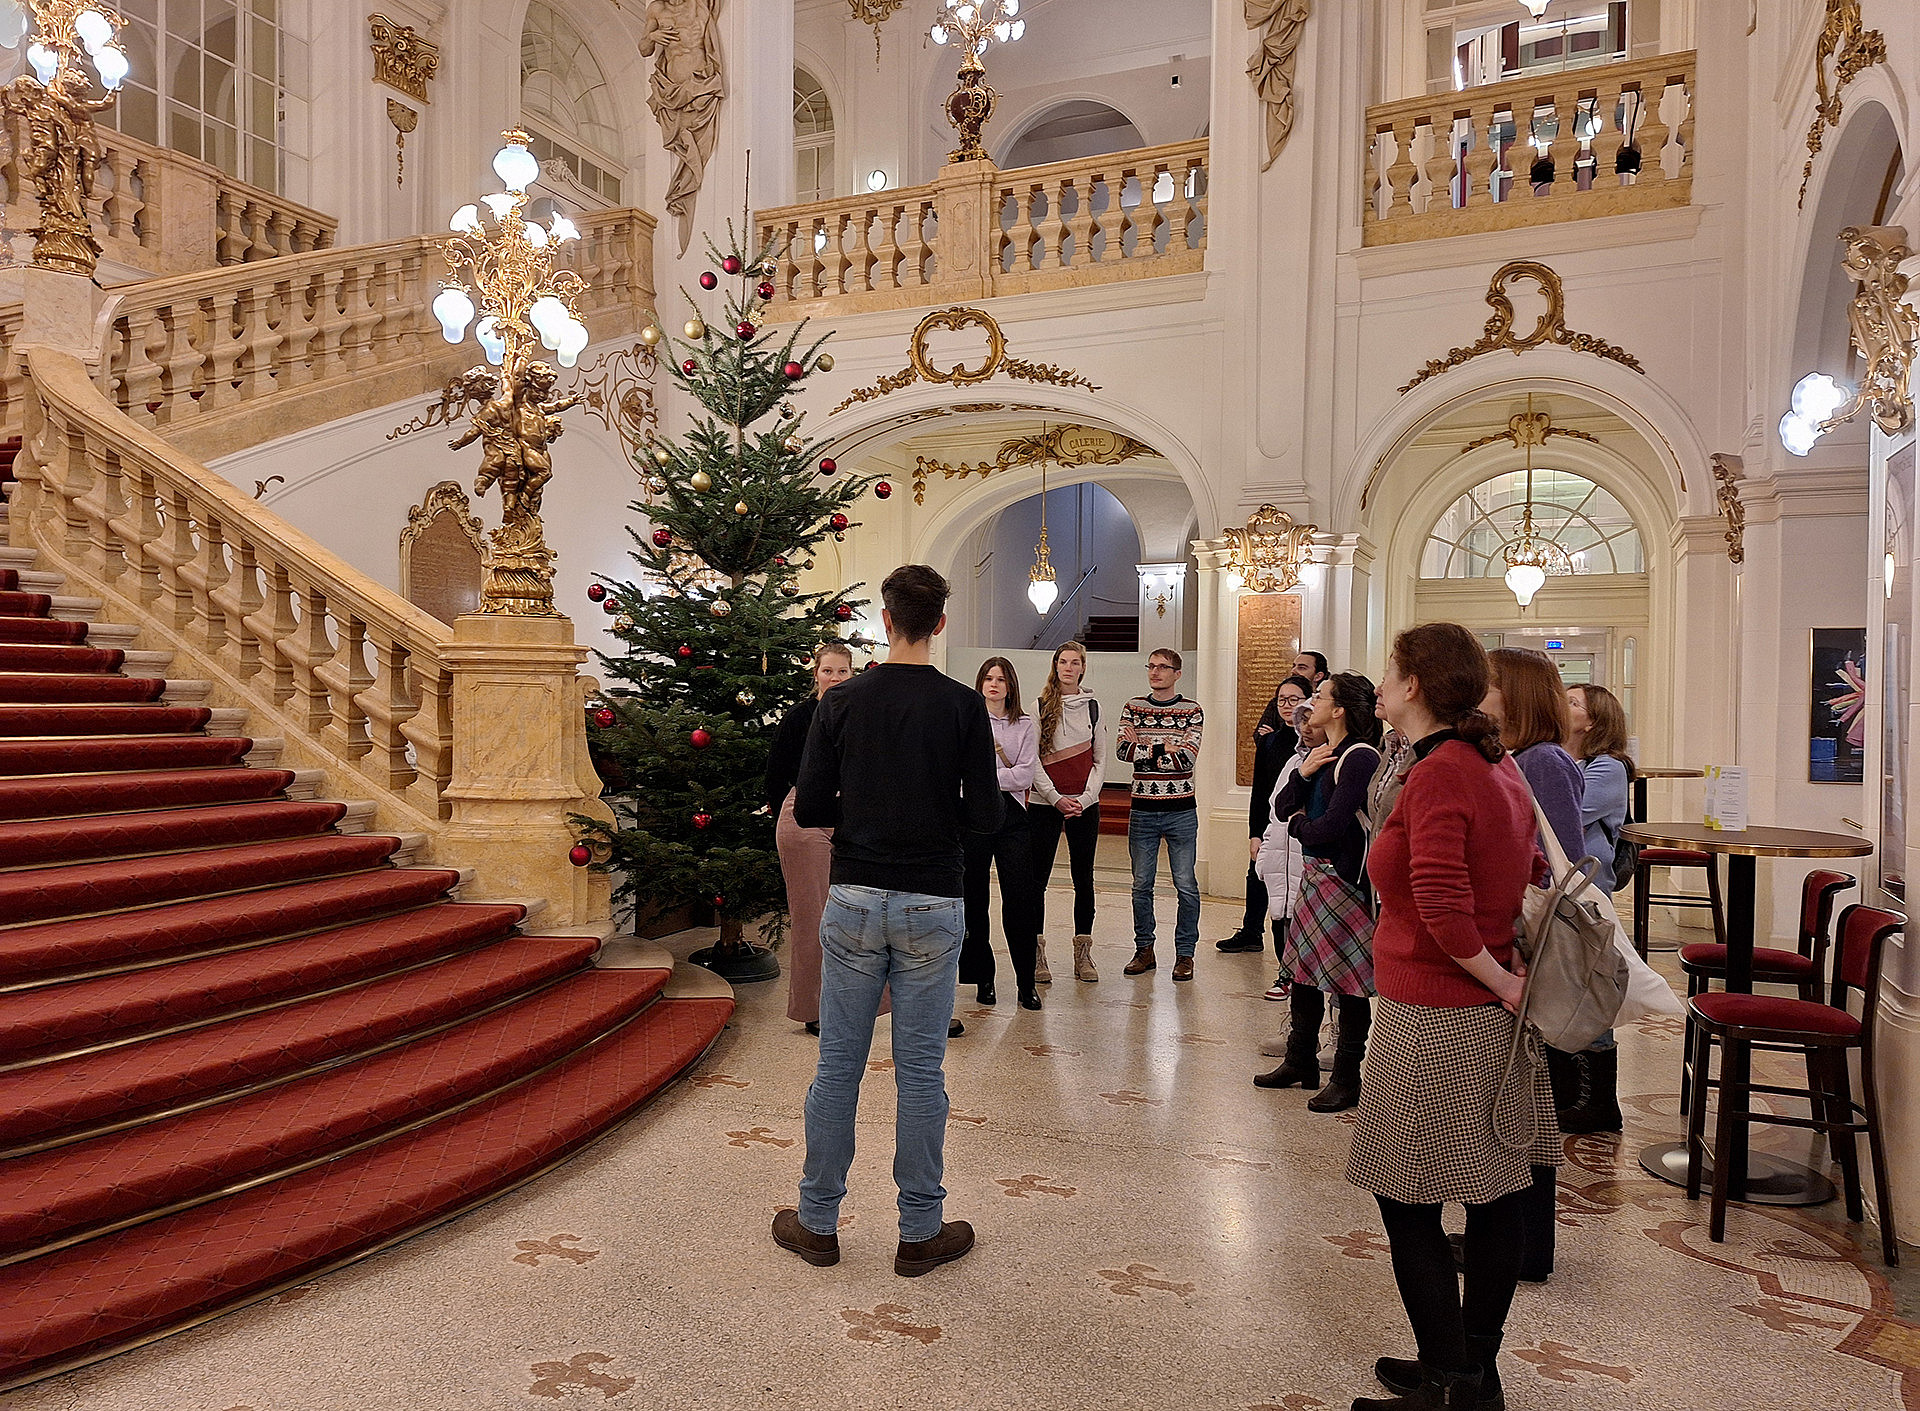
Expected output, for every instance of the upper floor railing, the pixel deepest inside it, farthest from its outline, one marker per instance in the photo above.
(976, 232)
(160, 212)
(1533, 151)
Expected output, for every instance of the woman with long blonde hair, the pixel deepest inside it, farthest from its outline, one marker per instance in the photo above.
(1066, 798)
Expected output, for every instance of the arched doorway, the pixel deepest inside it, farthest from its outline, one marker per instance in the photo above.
(1079, 127)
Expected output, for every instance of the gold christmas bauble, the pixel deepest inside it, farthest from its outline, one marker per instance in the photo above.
(721, 608)
(740, 507)
(808, 565)
(651, 334)
(623, 623)
(695, 329)
(824, 362)
(701, 481)
(661, 455)
(790, 590)
(794, 445)
(745, 698)
(656, 486)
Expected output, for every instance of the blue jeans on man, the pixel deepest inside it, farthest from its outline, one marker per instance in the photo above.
(1180, 828)
(872, 940)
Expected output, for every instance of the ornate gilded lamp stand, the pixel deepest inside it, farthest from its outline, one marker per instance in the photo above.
(71, 43)
(508, 263)
(970, 25)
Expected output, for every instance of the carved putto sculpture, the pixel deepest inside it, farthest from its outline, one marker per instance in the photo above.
(682, 37)
(515, 426)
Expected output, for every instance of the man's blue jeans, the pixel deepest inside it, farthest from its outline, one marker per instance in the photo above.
(871, 940)
(1181, 830)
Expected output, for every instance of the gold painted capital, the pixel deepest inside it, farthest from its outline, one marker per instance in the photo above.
(402, 59)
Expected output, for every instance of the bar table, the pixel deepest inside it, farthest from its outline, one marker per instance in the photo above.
(1644, 772)
(1757, 1177)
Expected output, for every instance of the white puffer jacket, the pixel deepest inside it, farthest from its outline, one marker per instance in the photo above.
(1280, 863)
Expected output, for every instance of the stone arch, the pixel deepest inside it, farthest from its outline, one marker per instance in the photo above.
(1054, 106)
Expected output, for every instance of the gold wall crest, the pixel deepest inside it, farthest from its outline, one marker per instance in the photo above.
(874, 13)
(404, 120)
(1500, 332)
(401, 58)
(1846, 40)
(1529, 429)
(994, 359)
(1063, 445)
(1728, 471)
(1271, 550)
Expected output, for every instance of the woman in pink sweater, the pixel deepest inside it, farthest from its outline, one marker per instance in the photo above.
(1449, 868)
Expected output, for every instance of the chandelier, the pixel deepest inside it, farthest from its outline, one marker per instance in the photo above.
(970, 25)
(1531, 559)
(1272, 551)
(1042, 589)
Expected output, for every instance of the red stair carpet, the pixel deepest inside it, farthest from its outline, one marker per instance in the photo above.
(239, 1045)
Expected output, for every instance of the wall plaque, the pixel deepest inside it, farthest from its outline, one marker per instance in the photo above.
(440, 562)
(1269, 641)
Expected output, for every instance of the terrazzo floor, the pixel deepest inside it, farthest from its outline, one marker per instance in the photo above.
(1153, 1232)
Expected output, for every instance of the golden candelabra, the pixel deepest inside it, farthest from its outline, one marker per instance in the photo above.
(71, 44)
(970, 25)
(509, 264)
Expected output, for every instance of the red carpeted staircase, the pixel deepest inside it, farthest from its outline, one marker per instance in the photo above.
(241, 1039)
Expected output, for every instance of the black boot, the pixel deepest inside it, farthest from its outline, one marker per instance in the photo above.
(1301, 1067)
(1537, 1227)
(1343, 1088)
(1598, 1109)
(1437, 1391)
(1564, 1072)
(1402, 1375)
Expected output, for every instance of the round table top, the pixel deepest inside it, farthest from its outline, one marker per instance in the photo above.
(1666, 771)
(1752, 842)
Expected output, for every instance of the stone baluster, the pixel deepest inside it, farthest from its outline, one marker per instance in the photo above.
(833, 277)
(429, 730)
(1565, 149)
(206, 573)
(120, 204)
(345, 676)
(1481, 157)
(1019, 236)
(1683, 134)
(1401, 172)
(886, 270)
(225, 348)
(176, 549)
(1440, 165)
(141, 529)
(1607, 137)
(240, 599)
(1653, 138)
(257, 340)
(1053, 229)
(109, 515)
(279, 232)
(388, 706)
(1080, 223)
(309, 649)
(275, 626)
(919, 249)
(788, 268)
(860, 253)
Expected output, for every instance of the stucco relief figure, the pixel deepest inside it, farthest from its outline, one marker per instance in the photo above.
(682, 37)
(1281, 24)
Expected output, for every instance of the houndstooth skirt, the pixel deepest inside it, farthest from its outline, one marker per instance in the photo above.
(1424, 1130)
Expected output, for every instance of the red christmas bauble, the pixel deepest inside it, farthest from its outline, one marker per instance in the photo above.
(580, 854)
(828, 465)
(603, 717)
(708, 279)
(610, 607)
(662, 538)
(839, 522)
(687, 367)
(703, 821)
(719, 902)
(683, 652)
(731, 264)
(700, 739)
(882, 490)
(843, 612)
(779, 560)
(744, 329)
(794, 372)
(765, 290)
(596, 592)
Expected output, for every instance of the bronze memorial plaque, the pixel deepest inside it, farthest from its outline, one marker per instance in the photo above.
(1269, 640)
(443, 569)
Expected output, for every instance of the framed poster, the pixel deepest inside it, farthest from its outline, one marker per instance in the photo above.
(1836, 729)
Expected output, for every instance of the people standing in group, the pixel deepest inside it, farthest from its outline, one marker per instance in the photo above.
(900, 764)
(1009, 849)
(1160, 736)
(806, 854)
(1281, 865)
(1588, 1095)
(1066, 800)
(1274, 743)
(1331, 938)
(1450, 867)
(1310, 667)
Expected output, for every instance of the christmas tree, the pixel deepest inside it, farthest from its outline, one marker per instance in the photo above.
(719, 635)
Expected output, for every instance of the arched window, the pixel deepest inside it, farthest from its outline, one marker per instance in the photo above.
(567, 106)
(1077, 128)
(206, 79)
(812, 139)
(1583, 518)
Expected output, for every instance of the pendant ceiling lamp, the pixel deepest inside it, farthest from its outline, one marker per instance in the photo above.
(1042, 590)
(1532, 558)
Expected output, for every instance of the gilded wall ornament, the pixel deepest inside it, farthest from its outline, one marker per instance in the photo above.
(1271, 550)
(993, 360)
(1529, 429)
(1063, 445)
(874, 13)
(404, 120)
(1281, 24)
(618, 393)
(401, 58)
(1846, 40)
(1728, 471)
(1551, 327)
(457, 399)
(682, 37)
(1884, 327)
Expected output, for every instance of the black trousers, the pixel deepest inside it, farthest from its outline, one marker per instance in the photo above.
(1010, 850)
(1047, 823)
(1308, 1007)
(1445, 1310)
(1254, 922)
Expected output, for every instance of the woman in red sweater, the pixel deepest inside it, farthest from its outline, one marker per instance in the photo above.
(1449, 868)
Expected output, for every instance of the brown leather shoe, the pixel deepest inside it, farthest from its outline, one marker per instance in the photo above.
(917, 1257)
(1183, 968)
(818, 1250)
(1141, 963)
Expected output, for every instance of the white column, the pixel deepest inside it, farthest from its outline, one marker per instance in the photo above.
(1212, 678)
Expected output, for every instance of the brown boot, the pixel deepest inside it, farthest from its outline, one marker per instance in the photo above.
(1183, 968)
(820, 1251)
(1041, 975)
(1141, 963)
(917, 1257)
(1083, 960)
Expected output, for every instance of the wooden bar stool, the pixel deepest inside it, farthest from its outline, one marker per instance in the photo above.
(1644, 897)
(1705, 962)
(1826, 1034)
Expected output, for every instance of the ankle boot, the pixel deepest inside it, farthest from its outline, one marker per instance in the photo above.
(1041, 975)
(1402, 1375)
(1302, 1065)
(1598, 1109)
(1564, 1073)
(1083, 960)
(1437, 1391)
(1343, 1089)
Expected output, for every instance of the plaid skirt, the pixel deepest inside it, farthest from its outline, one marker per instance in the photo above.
(1424, 1129)
(1330, 943)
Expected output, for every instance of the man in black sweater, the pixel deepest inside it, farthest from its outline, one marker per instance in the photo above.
(899, 763)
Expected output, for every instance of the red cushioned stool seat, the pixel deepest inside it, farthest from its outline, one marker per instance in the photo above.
(1674, 857)
(1789, 967)
(1788, 1016)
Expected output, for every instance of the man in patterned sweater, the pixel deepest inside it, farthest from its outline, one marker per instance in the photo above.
(1160, 735)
